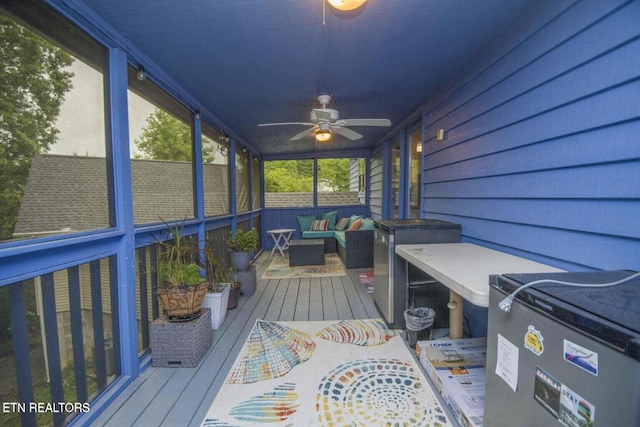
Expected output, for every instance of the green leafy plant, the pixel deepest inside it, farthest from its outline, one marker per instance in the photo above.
(178, 274)
(231, 277)
(214, 271)
(177, 265)
(243, 241)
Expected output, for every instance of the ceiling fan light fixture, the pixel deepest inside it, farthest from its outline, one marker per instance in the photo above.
(323, 135)
(346, 5)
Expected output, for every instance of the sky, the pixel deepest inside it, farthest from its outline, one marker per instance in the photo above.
(81, 120)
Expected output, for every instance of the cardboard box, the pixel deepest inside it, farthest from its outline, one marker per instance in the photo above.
(457, 369)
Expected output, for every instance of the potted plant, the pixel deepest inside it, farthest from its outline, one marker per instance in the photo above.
(181, 288)
(217, 296)
(240, 246)
(234, 288)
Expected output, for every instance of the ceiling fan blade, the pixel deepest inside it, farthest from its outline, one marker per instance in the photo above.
(347, 133)
(288, 123)
(365, 122)
(321, 114)
(304, 133)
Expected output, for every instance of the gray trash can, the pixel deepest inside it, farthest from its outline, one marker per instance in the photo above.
(419, 324)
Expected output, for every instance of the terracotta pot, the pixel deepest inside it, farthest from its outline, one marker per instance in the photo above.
(234, 296)
(184, 302)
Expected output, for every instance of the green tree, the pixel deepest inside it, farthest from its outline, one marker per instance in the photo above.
(34, 78)
(167, 138)
(286, 176)
(334, 173)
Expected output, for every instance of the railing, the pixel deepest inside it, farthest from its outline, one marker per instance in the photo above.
(59, 342)
(59, 333)
(146, 294)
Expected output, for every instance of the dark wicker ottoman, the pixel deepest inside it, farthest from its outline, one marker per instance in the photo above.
(306, 252)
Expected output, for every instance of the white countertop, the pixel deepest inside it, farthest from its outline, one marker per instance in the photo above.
(465, 268)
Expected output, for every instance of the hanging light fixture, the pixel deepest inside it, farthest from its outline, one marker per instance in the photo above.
(346, 5)
(141, 73)
(323, 134)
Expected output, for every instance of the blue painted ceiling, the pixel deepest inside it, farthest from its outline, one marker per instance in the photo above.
(257, 61)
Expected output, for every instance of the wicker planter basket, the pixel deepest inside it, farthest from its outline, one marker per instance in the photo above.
(182, 303)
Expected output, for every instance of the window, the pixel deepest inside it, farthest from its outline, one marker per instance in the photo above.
(53, 168)
(162, 154)
(215, 166)
(415, 171)
(339, 182)
(288, 183)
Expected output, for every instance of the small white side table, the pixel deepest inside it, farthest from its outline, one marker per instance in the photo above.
(281, 238)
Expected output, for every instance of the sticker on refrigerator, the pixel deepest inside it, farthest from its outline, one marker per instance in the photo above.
(574, 410)
(568, 407)
(533, 340)
(581, 357)
(507, 362)
(546, 391)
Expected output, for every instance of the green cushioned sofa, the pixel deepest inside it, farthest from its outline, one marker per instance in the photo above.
(354, 247)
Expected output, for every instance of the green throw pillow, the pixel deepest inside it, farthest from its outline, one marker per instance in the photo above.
(304, 221)
(331, 217)
(367, 224)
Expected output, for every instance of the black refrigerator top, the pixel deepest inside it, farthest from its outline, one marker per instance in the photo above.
(610, 314)
(421, 224)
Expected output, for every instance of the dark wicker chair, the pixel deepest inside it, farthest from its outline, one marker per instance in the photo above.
(358, 250)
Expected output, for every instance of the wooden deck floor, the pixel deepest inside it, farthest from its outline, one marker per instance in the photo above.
(182, 396)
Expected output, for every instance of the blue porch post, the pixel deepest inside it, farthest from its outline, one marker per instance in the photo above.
(122, 188)
(198, 177)
(387, 171)
(232, 184)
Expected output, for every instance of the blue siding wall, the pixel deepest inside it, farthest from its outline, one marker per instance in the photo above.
(541, 155)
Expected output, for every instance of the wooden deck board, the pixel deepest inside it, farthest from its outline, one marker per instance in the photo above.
(130, 411)
(353, 298)
(329, 310)
(302, 303)
(290, 300)
(315, 299)
(340, 296)
(182, 396)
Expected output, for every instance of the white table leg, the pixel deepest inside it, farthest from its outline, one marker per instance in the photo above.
(287, 240)
(275, 241)
(455, 315)
(281, 239)
(281, 236)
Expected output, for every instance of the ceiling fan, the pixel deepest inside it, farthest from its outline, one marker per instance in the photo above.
(325, 121)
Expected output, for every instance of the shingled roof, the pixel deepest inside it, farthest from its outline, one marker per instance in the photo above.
(69, 193)
(329, 198)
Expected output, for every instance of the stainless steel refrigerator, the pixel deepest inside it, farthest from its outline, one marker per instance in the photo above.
(564, 355)
(389, 270)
